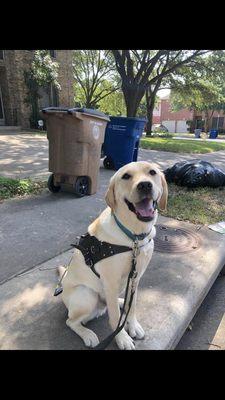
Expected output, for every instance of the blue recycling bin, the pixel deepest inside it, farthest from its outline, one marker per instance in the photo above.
(213, 134)
(121, 142)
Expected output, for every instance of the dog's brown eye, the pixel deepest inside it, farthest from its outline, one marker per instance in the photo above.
(152, 172)
(126, 176)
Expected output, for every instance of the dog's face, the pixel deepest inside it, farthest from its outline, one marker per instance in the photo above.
(136, 188)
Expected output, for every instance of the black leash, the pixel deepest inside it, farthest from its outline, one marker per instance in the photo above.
(131, 278)
(93, 251)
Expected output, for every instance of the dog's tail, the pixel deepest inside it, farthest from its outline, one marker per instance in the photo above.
(61, 271)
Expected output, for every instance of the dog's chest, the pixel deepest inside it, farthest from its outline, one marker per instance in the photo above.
(143, 259)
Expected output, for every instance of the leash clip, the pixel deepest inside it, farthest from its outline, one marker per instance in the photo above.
(136, 250)
(58, 290)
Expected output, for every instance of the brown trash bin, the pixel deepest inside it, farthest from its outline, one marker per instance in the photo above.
(75, 140)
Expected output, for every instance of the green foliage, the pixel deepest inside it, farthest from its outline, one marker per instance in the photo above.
(95, 77)
(142, 108)
(113, 104)
(42, 73)
(161, 134)
(44, 70)
(200, 95)
(19, 187)
(200, 87)
(143, 71)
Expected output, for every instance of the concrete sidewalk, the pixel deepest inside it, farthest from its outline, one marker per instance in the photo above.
(36, 229)
(171, 291)
(219, 140)
(23, 155)
(26, 155)
(52, 221)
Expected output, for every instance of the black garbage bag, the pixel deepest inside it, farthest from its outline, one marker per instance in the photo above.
(195, 173)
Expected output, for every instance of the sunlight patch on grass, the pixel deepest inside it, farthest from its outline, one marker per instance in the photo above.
(181, 146)
(199, 206)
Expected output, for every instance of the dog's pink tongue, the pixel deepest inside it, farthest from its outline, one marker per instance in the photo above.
(145, 208)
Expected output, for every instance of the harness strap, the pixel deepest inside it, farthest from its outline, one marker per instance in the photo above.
(95, 250)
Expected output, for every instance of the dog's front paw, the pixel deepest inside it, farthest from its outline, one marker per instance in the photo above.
(135, 330)
(124, 341)
(90, 338)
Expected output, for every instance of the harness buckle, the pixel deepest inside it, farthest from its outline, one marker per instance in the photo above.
(77, 240)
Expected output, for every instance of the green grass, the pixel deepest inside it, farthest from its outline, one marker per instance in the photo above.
(199, 206)
(19, 187)
(181, 145)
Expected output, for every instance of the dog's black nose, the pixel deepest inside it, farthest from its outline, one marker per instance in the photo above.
(144, 187)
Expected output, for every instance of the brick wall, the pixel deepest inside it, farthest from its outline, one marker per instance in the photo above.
(168, 115)
(66, 94)
(156, 119)
(23, 60)
(14, 89)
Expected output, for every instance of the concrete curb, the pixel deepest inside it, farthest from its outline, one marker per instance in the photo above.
(170, 293)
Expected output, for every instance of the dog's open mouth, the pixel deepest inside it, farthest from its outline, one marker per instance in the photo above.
(144, 209)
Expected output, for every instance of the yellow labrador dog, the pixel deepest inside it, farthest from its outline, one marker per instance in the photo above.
(132, 196)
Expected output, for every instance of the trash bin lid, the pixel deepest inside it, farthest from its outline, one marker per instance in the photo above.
(89, 111)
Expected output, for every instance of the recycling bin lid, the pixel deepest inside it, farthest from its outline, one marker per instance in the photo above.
(128, 118)
(54, 109)
(89, 111)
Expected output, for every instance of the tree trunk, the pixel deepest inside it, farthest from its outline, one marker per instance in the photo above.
(132, 96)
(150, 103)
(131, 108)
(206, 124)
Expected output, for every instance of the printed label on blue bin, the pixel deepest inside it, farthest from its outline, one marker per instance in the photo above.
(117, 127)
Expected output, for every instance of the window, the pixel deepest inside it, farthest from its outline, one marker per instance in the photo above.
(2, 121)
(54, 97)
(217, 122)
(220, 122)
(1, 54)
(198, 123)
(52, 53)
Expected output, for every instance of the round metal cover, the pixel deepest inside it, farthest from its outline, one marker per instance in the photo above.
(175, 240)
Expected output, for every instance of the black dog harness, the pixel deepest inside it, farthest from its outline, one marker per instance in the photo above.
(95, 250)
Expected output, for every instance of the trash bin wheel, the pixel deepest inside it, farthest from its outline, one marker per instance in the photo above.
(51, 186)
(81, 186)
(108, 163)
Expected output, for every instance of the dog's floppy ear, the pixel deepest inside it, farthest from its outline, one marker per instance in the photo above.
(110, 194)
(163, 199)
